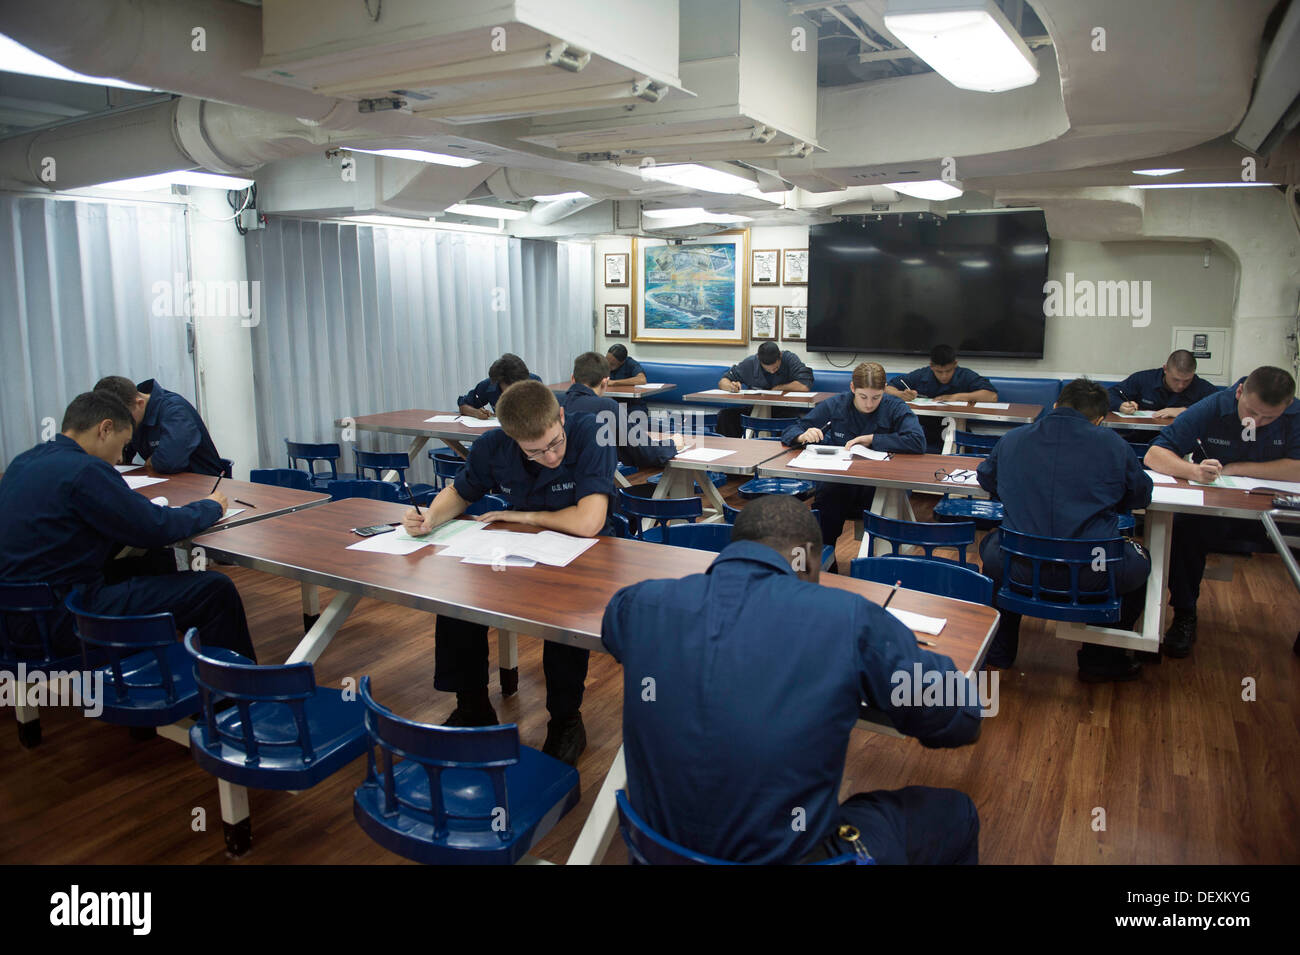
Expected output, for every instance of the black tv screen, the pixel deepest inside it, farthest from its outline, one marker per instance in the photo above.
(902, 284)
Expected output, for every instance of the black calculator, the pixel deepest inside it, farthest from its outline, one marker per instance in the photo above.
(373, 529)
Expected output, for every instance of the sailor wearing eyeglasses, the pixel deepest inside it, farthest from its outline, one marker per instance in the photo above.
(1066, 477)
(866, 416)
(556, 476)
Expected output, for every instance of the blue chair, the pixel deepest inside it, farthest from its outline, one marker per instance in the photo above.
(717, 477)
(487, 504)
(34, 651)
(227, 468)
(637, 504)
(957, 509)
(282, 732)
(375, 490)
(1058, 598)
(923, 535)
(729, 514)
(757, 487)
(972, 444)
(627, 470)
(929, 576)
(149, 676)
(765, 429)
(459, 795)
(647, 847)
(684, 422)
(710, 537)
(309, 453)
(377, 462)
(447, 465)
(281, 477)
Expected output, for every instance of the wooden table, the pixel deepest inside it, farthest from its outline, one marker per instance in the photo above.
(621, 391)
(310, 546)
(267, 500)
(680, 476)
(763, 404)
(963, 412)
(412, 422)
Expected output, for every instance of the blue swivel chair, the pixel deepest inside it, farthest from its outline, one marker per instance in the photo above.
(29, 645)
(281, 477)
(456, 795)
(279, 730)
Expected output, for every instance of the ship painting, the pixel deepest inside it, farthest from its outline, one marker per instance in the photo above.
(691, 287)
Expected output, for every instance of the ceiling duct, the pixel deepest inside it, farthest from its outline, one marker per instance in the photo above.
(473, 62)
(1275, 105)
(753, 69)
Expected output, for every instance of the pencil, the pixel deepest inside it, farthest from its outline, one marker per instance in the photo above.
(245, 503)
(897, 584)
(412, 497)
(217, 485)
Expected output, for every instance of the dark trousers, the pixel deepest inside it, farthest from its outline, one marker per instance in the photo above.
(932, 425)
(916, 825)
(461, 664)
(204, 599)
(1130, 583)
(837, 503)
(729, 420)
(1193, 538)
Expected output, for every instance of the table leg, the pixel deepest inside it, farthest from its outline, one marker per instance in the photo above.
(412, 452)
(621, 480)
(457, 447)
(1159, 531)
(949, 435)
(602, 822)
(235, 824)
(29, 718)
(714, 497)
(322, 631)
(508, 661)
(310, 607)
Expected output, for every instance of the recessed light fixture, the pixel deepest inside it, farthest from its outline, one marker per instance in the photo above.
(1201, 185)
(970, 43)
(693, 214)
(181, 177)
(18, 59)
(561, 196)
(1155, 172)
(935, 190)
(694, 176)
(421, 224)
(485, 212)
(419, 155)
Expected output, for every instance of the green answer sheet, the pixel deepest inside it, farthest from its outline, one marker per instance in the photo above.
(442, 534)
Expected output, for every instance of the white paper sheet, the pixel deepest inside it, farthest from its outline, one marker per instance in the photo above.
(1137, 414)
(469, 422)
(137, 482)
(500, 561)
(1177, 495)
(650, 384)
(822, 462)
(231, 512)
(389, 543)
(443, 419)
(702, 454)
(547, 547)
(917, 621)
(759, 391)
(123, 468)
(1158, 478)
(717, 391)
(868, 453)
(992, 405)
(1246, 484)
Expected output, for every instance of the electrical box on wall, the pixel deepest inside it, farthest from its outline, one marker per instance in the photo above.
(1210, 347)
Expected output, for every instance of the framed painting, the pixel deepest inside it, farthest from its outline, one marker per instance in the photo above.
(694, 292)
(794, 267)
(615, 321)
(794, 323)
(762, 321)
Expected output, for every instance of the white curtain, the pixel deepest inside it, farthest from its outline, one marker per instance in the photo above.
(360, 319)
(79, 299)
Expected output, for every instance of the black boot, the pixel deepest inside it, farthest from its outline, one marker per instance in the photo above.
(472, 709)
(566, 738)
(1099, 664)
(1181, 634)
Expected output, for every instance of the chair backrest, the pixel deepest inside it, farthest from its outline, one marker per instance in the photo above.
(636, 502)
(381, 461)
(688, 421)
(958, 534)
(281, 477)
(712, 537)
(226, 675)
(119, 637)
(979, 445)
(486, 504)
(447, 465)
(311, 453)
(761, 426)
(375, 490)
(930, 576)
(647, 847)
(485, 749)
(1041, 577)
(729, 513)
(37, 603)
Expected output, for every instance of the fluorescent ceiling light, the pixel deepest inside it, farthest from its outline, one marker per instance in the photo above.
(693, 176)
(691, 216)
(419, 155)
(1155, 172)
(1201, 185)
(485, 212)
(405, 223)
(562, 196)
(181, 177)
(970, 43)
(777, 198)
(18, 59)
(935, 190)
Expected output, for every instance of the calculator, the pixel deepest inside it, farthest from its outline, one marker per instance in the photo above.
(373, 529)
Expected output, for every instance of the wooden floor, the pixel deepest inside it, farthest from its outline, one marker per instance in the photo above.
(1183, 769)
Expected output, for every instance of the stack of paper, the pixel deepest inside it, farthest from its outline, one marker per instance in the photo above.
(649, 385)
(808, 458)
(497, 547)
(702, 454)
(137, 482)
(1158, 478)
(868, 453)
(717, 391)
(992, 405)
(1137, 414)
(390, 544)
(1176, 495)
(123, 468)
(468, 421)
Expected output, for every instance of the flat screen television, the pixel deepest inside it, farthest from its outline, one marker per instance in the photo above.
(901, 284)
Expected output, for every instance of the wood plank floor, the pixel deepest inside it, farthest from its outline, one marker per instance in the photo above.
(1182, 768)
